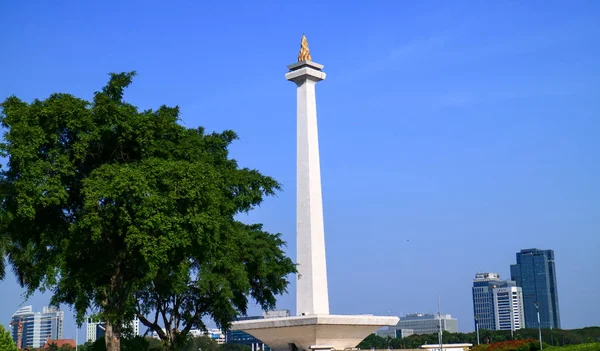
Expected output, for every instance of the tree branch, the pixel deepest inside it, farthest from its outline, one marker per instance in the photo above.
(154, 326)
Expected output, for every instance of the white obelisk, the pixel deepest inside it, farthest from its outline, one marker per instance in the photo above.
(312, 296)
(313, 329)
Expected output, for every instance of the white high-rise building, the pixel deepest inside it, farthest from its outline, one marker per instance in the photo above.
(497, 304)
(95, 329)
(508, 307)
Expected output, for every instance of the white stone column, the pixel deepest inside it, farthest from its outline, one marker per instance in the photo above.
(312, 296)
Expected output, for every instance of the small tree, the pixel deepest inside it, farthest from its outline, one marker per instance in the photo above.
(6, 341)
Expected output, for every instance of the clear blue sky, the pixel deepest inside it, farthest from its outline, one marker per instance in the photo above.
(451, 136)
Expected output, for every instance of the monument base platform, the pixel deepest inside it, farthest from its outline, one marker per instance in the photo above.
(314, 332)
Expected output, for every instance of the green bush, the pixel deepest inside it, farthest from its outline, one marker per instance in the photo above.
(580, 347)
(6, 341)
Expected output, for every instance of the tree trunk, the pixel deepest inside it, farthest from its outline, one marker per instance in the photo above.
(112, 337)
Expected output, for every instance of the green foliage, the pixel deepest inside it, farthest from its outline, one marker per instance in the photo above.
(511, 345)
(127, 212)
(88, 346)
(150, 344)
(201, 343)
(4, 243)
(550, 337)
(579, 347)
(137, 343)
(6, 341)
(235, 347)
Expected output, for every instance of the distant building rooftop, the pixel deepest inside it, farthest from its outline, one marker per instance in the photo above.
(61, 343)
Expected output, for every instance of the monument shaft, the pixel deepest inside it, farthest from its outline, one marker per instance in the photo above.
(312, 296)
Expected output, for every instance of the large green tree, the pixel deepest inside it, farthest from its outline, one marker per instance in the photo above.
(126, 212)
(214, 281)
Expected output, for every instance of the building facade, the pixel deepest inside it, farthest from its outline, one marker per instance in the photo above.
(535, 274)
(497, 304)
(32, 329)
(508, 308)
(95, 329)
(394, 332)
(424, 323)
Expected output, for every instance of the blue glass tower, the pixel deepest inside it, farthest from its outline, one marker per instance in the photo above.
(535, 273)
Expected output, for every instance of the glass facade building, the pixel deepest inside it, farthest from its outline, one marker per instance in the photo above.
(31, 330)
(424, 323)
(497, 304)
(483, 300)
(535, 273)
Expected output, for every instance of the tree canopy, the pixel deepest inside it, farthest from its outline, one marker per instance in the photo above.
(126, 212)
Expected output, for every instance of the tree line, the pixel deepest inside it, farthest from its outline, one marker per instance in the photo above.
(125, 212)
(555, 337)
(151, 344)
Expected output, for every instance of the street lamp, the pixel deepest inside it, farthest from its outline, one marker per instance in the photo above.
(477, 328)
(440, 330)
(537, 307)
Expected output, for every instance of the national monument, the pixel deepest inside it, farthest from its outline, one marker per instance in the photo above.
(313, 328)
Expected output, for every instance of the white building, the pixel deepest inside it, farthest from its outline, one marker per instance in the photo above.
(508, 306)
(95, 329)
(427, 323)
(497, 304)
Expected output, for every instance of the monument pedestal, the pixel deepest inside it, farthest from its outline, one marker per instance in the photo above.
(316, 332)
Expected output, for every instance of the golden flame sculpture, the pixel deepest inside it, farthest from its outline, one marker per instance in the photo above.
(304, 54)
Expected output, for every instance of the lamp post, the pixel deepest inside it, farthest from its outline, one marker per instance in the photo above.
(512, 325)
(537, 307)
(477, 328)
(440, 323)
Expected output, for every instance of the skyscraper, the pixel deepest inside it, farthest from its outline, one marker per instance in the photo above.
(31, 330)
(535, 273)
(497, 304)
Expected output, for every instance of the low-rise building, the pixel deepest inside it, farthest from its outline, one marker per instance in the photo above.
(394, 332)
(447, 347)
(427, 323)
